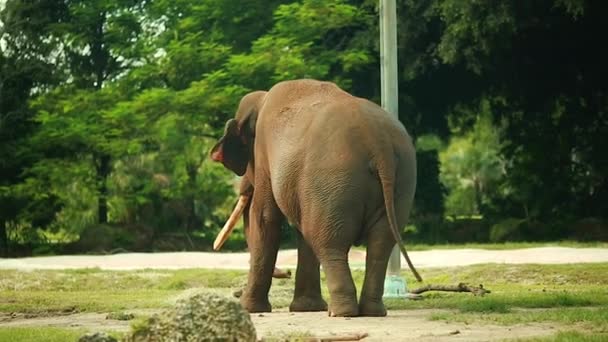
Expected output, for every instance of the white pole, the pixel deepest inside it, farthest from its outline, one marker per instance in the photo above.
(394, 284)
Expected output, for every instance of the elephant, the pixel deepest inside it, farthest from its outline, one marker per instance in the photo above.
(245, 192)
(341, 170)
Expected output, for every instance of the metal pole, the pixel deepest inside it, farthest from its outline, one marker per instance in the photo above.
(394, 284)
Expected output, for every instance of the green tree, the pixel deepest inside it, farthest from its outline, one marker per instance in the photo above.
(25, 70)
(96, 42)
(174, 173)
(109, 107)
(472, 167)
(308, 39)
(535, 56)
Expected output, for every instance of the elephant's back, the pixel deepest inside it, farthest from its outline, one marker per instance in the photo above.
(324, 144)
(319, 171)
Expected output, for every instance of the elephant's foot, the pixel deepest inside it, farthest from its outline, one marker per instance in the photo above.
(372, 308)
(343, 310)
(254, 304)
(308, 303)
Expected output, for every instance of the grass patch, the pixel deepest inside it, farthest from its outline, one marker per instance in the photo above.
(594, 319)
(507, 245)
(484, 306)
(104, 291)
(193, 278)
(106, 300)
(93, 278)
(39, 334)
(597, 316)
(511, 296)
(569, 336)
(575, 293)
(513, 286)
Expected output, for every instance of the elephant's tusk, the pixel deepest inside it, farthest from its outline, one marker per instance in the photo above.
(229, 226)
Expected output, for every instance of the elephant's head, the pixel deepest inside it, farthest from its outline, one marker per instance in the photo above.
(234, 149)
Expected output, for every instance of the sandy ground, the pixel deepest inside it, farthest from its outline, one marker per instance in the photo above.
(399, 325)
(288, 258)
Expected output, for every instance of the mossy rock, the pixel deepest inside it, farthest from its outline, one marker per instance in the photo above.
(202, 317)
(97, 337)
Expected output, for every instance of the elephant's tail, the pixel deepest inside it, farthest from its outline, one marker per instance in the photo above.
(387, 173)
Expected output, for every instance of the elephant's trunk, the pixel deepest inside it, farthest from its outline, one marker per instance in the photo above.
(231, 223)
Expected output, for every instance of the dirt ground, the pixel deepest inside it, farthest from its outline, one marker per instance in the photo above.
(399, 325)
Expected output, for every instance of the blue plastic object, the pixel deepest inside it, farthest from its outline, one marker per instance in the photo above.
(394, 287)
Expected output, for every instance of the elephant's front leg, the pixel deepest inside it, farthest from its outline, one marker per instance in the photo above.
(307, 295)
(265, 221)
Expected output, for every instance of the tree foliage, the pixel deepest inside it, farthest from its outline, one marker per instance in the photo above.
(472, 165)
(108, 107)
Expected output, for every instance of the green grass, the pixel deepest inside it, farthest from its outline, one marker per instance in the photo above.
(506, 245)
(572, 294)
(595, 319)
(569, 336)
(40, 334)
(512, 286)
(94, 278)
(94, 290)
(49, 302)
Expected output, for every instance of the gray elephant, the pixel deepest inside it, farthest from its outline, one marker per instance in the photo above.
(337, 167)
(245, 192)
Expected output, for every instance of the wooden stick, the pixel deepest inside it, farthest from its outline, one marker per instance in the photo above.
(354, 337)
(461, 287)
(280, 274)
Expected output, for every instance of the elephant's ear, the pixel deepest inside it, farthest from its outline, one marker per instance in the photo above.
(234, 149)
(231, 150)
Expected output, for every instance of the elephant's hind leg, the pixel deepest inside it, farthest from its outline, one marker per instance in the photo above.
(333, 255)
(307, 295)
(331, 225)
(379, 246)
(342, 291)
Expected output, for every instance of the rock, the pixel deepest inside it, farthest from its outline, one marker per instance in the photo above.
(202, 317)
(120, 316)
(97, 337)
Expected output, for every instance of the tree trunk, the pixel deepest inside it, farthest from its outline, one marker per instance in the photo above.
(100, 57)
(99, 53)
(3, 240)
(191, 220)
(103, 170)
(477, 189)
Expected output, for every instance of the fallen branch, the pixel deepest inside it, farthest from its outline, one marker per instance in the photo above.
(461, 287)
(355, 337)
(280, 274)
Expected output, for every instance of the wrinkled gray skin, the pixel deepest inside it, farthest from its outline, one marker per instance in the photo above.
(340, 169)
(246, 189)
